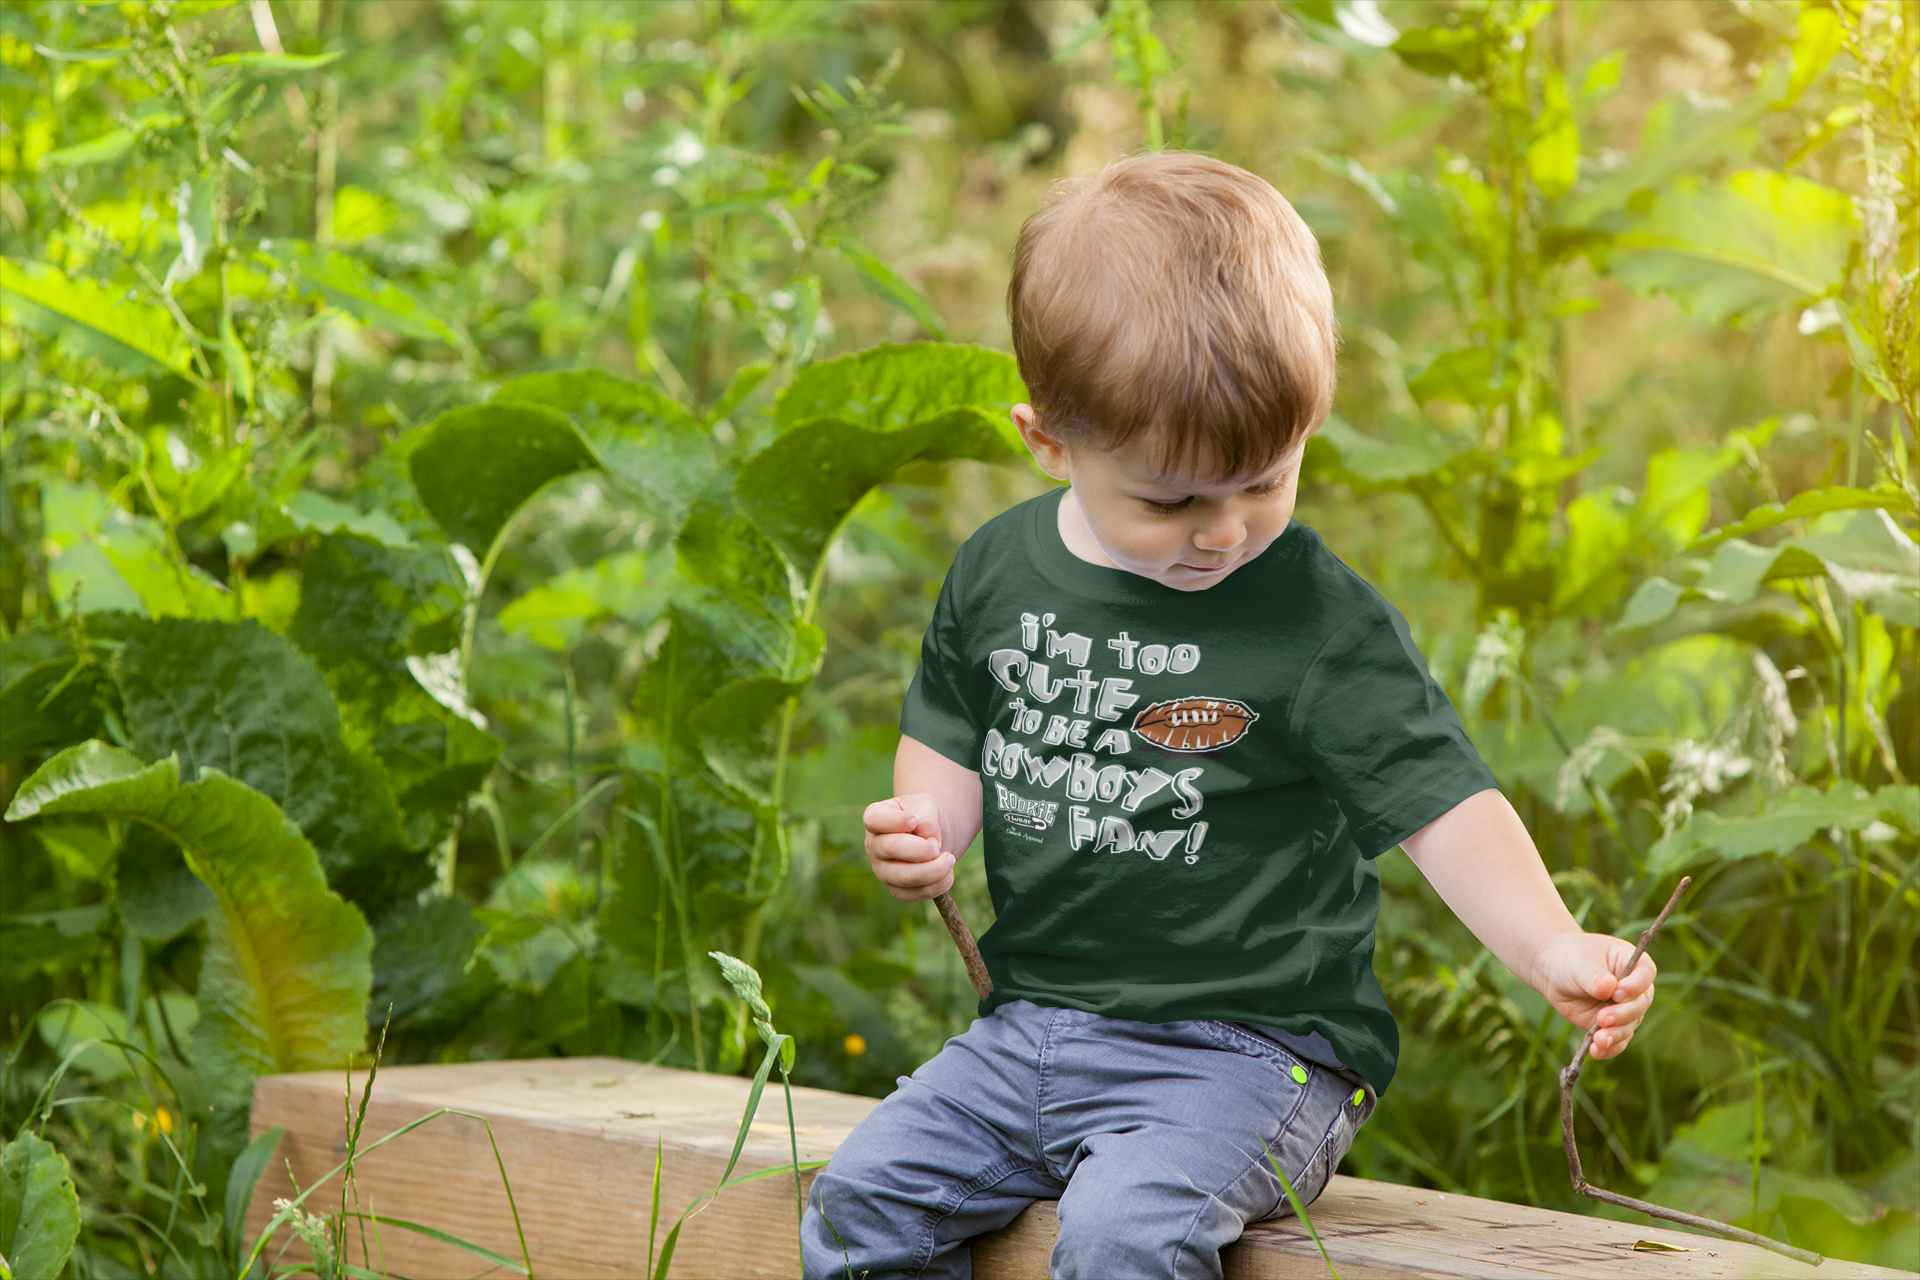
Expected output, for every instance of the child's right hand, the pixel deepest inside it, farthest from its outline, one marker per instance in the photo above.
(904, 846)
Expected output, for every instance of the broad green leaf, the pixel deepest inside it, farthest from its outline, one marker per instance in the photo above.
(49, 696)
(1590, 562)
(744, 381)
(63, 1026)
(1379, 461)
(739, 724)
(106, 559)
(237, 698)
(284, 977)
(850, 424)
(359, 213)
(160, 897)
(632, 585)
(1786, 824)
(39, 1208)
(425, 969)
(894, 385)
(887, 282)
(645, 440)
(734, 580)
(363, 609)
(475, 467)
(1803, 505)
(801, 487)
(1680, 135)
(344, 282)
(1652, 601)
(108, 146)
(1760, 240)
(1464, 377)
(129, 335)
(312, 512)
(1676, 501)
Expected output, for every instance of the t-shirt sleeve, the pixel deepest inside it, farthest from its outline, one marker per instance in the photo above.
(1380, 734)
(938, 711)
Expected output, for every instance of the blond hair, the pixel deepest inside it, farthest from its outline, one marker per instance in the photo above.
(1179, 296)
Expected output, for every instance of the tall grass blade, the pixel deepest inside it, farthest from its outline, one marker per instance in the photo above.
(434, 1233)
(1299, 1210)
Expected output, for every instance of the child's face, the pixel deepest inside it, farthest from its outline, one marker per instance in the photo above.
(1181, 530)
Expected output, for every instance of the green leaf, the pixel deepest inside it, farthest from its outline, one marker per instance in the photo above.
(314, 512)
(632, 585)
(241, 1181)
(886, 282)
(39, 1208)
(1819, 38)
(1589, 562)
(106, 559)
(1759, 240)
(1813, 502)
(1464, 377)
(1653, 601)
(130, 336)
(344, 282)
(1381, 462)
(425, 967)
(69, 1023)
(1784, 826)
(895, 385)
(738, 726)
(475, 467)
(850, 424)
(1681, 134)
(236, 697)
(739, 388)
(1443, 51)
(258, 61)
(108, 146)
(654, 448)
(284, 976)
(1553, 154)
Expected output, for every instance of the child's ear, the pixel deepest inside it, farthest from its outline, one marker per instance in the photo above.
(1048, 451)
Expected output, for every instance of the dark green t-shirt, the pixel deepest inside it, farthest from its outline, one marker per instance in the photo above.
(1184, 792)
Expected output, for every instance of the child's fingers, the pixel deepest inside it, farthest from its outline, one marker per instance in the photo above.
(1608, 1044)
(884, 817)
(913, 881)
(1636, 983)
(901, 848)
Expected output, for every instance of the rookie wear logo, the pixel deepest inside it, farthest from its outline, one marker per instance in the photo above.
(1034, 815)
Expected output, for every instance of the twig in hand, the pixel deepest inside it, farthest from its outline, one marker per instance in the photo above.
(1570, 1076)
(969, 949)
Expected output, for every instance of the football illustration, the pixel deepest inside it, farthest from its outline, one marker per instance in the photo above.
(1194, 724)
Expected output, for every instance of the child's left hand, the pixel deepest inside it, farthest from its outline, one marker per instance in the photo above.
(1575, 973)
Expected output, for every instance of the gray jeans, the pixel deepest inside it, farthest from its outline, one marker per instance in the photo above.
(1148, 1134)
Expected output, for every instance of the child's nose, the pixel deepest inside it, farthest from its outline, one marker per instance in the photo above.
(1222, 533)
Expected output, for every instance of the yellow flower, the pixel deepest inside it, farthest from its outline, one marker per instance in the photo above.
(855, 1045)
(165, 1119)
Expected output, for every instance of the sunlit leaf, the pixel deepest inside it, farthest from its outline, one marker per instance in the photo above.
(895, 385)
(258, 61)
(1787, 823)
(1553, 154)
(631, 585)
(1819, 38)
(284, 977)
(329, 276)
(1464, 377)
(1759, 240)
(128, 334)
(1813, 502)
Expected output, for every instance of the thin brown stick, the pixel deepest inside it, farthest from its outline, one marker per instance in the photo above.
(1570, 1076)
(969, 949)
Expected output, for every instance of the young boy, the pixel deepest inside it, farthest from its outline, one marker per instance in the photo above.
(1189, 730)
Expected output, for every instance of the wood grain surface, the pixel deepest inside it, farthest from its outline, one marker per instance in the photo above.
(578, 1138)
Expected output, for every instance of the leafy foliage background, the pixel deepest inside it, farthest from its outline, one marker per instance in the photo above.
(476, 476)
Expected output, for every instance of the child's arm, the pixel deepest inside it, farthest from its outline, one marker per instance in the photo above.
(1480, 859)
(914, 839)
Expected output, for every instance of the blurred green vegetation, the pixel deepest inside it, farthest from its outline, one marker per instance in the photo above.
(414, 409)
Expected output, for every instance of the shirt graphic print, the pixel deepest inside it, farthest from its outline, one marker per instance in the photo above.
(1183, 792)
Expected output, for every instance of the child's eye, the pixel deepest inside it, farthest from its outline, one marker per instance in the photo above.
(1167, 508)
(1269, 489)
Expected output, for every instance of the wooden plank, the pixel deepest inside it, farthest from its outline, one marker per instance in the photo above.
(578, 1138)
